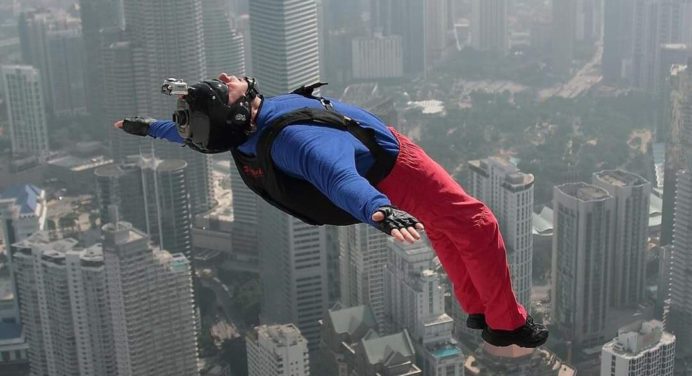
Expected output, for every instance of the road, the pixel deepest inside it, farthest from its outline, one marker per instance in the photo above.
(588, 76)
(224, 299)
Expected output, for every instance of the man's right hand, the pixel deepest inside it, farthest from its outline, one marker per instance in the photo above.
(137, 125)
(397, 223)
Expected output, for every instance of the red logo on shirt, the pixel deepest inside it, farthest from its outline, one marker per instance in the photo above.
(253, 172)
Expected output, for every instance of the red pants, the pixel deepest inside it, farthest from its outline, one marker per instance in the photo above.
(463, 232)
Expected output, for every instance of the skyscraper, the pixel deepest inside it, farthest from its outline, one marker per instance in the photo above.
(489, 25)
(154, 328)
(66, 57)
(564, 34)
(34, 27)
(362, 258)
(631, 193)
(245, 229)
(224, 46)
(28, 127)
(63, 306)
(617, 38)
(277, 350)
(582, 255)
(414, 302)
(285, 52)
(509, 194)
(162, 48)
(152, 194)
(641, 349)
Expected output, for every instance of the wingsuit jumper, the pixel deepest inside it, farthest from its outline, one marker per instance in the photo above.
(328, 162)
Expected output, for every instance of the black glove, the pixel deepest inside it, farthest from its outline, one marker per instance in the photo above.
(395, 219)
(137, 125)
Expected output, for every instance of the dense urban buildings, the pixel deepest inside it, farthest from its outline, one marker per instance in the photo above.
(641, 349)
(500, 361)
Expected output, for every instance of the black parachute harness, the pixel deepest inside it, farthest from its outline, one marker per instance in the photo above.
(297, 196)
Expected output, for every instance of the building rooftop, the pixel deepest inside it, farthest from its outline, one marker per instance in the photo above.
(349, 320)
(543, 222)
(620, 178)
(381, 349)
(78, 164)
(25, 196)
(638, 337)
(583, 191)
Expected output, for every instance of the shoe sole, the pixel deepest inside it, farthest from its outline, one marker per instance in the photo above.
(504, 342)
(476, 325)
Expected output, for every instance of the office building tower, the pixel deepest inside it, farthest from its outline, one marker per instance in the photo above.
(23, 86)
(362, 258)
(224, 46)
(583, 240)
(509, 194)
(415, 303)
(671, 54)
(184, 47)
(293, 270)
(245, 228)
(632, 194)
(98, 18)
(63, 306)
(564, 34)
(641, 349)
(277, 350)
(489, 30)
(657, 22)
(154, 329)
(618, 22)
(33, 27)
(436, 29)
(489, 360)
(377, 57)
(589, 21)
(66, 58)
(152, 194)
(287, 57)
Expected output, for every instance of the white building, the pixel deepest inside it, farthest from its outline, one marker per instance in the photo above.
(362, 257)
(489, 30)
(632, 194)
(508, 192)
(277, 350)
(377, 57)
(641, 349)
(154, 328)
(26, 109)
(415, 303)
(584, 223)
(285, 48)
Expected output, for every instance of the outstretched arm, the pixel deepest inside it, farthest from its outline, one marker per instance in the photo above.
(165, 129)
(326, 158)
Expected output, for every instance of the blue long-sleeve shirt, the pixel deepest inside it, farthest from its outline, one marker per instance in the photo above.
(333, 160)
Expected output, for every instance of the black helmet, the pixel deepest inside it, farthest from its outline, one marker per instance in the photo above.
(208, 123)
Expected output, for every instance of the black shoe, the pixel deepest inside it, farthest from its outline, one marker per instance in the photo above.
(529, 335)
(476, 321)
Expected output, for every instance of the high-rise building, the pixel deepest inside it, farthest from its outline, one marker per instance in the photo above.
(564, 34)
(489, 30)
(63, 306)
(509, 194)
(285, 55)
(377, 57)
(154, 328)
(99, 17)
(33, 38)
(168, 50)
(617, 38)
(362, 258)
(277, 350)
(245, 228)
(28, 126)
(641, 349)
(656, 22)
(293, 271)
(414, 301)
(410, 20)
(589, 23)
(224, 46)
(66, 71)
(151, 194)
(583, 243)
(632, 194)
